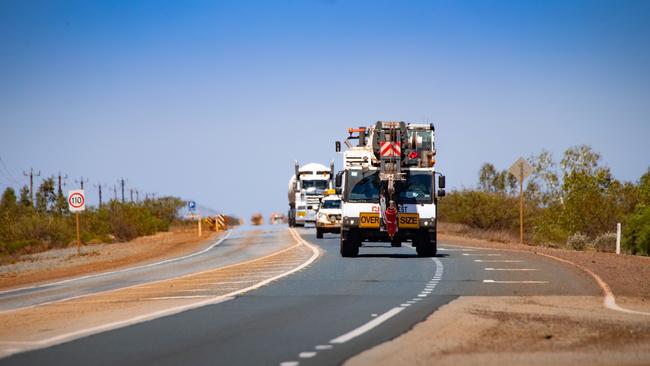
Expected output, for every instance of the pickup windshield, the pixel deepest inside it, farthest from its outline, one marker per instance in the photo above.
(331, 204)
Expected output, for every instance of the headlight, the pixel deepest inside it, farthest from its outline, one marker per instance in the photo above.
(322, 216)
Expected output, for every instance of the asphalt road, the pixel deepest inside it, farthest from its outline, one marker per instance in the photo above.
(324, 314)
(242, 244)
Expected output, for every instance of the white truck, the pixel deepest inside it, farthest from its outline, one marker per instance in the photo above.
(306, 189)
(387, 187)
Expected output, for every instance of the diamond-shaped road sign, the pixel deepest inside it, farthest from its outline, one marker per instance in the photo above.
(521, 169)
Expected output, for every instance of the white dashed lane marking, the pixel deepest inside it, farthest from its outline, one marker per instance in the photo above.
(497, 261)
(378, 319)
(510, 282)
(482, 254)
(289, 363)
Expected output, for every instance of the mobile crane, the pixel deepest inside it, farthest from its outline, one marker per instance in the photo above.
(387, 187)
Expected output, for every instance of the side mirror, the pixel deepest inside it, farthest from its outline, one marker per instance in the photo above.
(338, 146)
(339, 180)
(441, 193)
(441, 182)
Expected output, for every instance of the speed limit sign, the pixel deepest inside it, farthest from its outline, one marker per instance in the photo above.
(76, 200)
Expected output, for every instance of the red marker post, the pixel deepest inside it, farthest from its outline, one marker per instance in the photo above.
(77, 203)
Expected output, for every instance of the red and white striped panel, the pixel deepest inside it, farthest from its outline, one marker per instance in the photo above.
(390, 148)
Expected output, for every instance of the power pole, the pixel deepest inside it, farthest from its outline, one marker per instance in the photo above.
(521, 206)
(131, 192)
(137, 196)
(31, 176)
(99, 187)
(81, 182)
(114, 192)
(60, 177)
(122, 183)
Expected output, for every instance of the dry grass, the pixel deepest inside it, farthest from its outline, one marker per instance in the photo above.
(500, 236)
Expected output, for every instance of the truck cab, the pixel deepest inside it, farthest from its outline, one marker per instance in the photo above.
(388, 188)
(306, 188)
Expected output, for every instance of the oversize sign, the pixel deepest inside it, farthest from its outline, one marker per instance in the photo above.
(76, 200)
(408, 220)
(369, 220)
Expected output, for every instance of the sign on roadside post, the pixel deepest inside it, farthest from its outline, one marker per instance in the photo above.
(191, 206)
(521, 169)
(77, 203)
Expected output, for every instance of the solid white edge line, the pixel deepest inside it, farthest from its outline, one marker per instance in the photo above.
(609, 301)
(514, 282)
(62, 338)
(151, 282)
(385, 316)
(120, 270)
(368, 326)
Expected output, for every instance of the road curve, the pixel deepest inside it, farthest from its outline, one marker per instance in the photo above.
(240, 245)
(330, 311)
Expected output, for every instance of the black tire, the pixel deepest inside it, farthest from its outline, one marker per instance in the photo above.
(319, 233)
(424, 245)
(396, 243)
(349, 246)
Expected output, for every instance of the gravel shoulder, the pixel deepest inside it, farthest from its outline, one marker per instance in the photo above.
(64, 263)
(535, 330)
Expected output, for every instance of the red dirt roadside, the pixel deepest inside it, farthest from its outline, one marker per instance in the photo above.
(63, 263)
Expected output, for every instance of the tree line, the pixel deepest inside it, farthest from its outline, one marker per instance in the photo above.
(45, 222)
(574, 202)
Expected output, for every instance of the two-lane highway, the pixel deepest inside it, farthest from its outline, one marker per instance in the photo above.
(323, 314)
(234, 247)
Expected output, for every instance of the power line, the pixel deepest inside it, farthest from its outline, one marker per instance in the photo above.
(8, 173)
(81, 181)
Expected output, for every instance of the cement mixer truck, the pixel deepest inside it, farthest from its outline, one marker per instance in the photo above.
(306, 188)
(387, 187)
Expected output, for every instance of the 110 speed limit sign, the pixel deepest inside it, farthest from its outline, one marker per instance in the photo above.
(76, 200)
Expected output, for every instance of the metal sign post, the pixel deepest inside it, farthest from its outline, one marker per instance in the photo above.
(191, 206)
(77, 203)
(521, 169)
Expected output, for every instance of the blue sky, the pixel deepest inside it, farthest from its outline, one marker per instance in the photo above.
(214, 100)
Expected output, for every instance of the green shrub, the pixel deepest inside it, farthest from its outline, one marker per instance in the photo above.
(483, 210)
(636, 237)
(22, 226)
